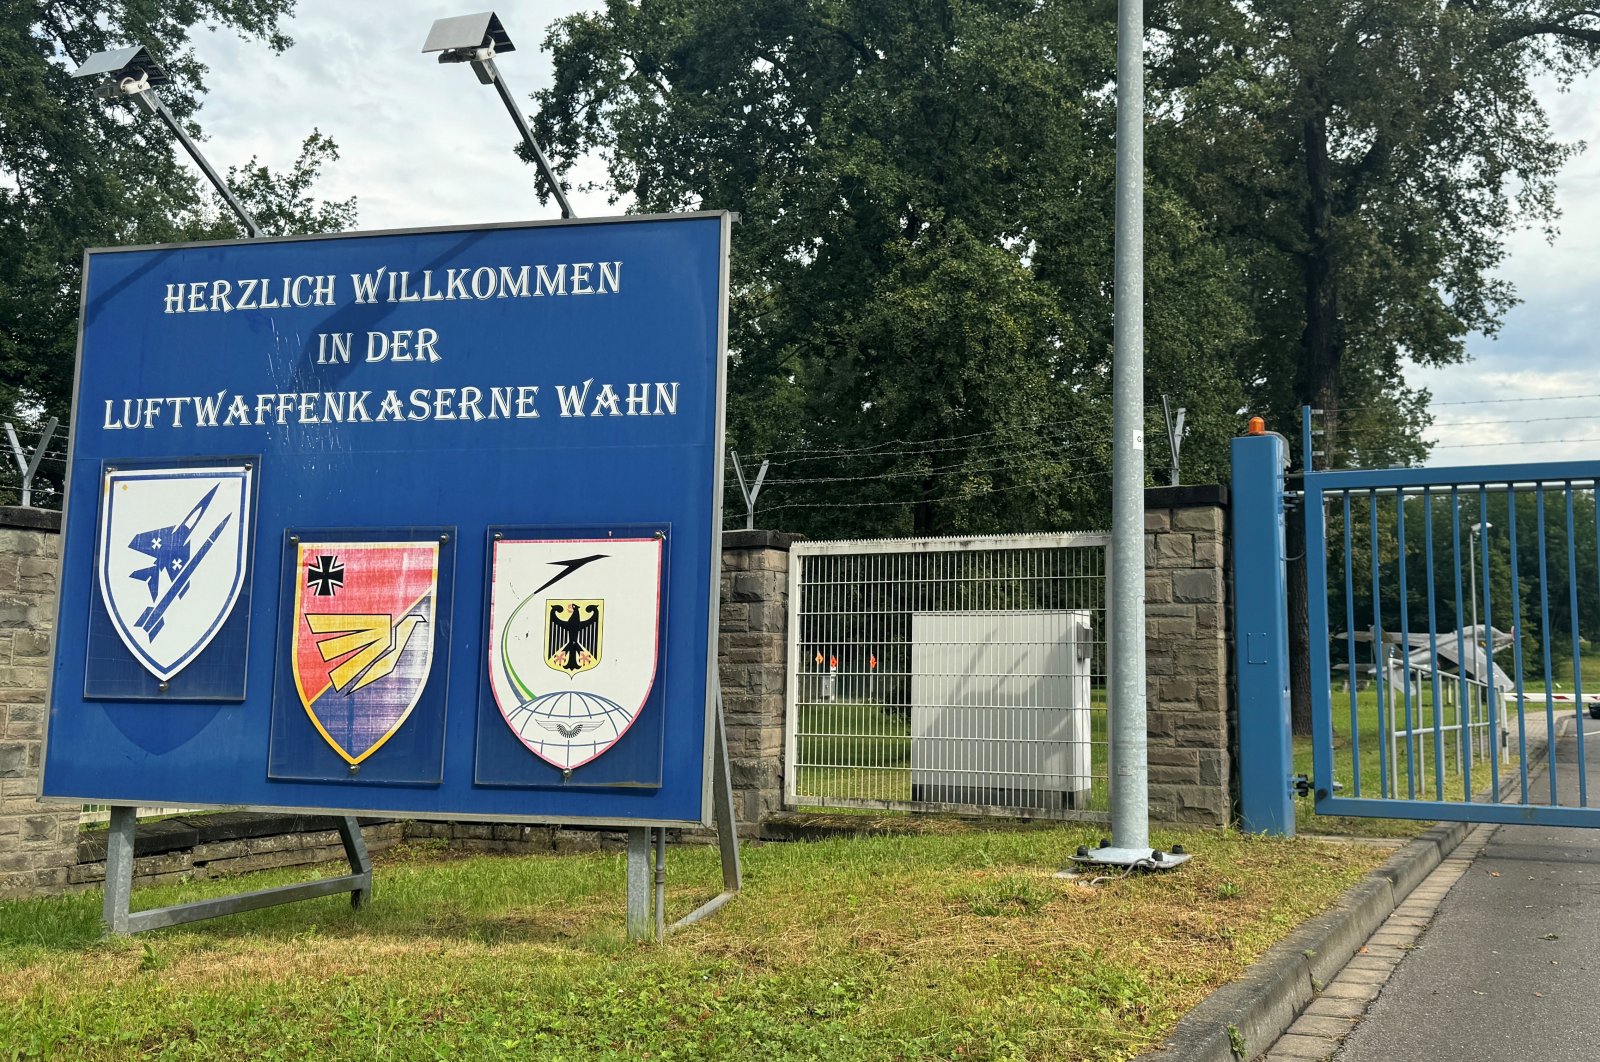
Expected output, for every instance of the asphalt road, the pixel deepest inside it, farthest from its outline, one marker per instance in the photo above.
(1510, 968)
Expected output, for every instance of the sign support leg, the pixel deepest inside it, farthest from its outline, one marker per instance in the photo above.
(355, 850)
(660, 925)
(647, 885)
(120, 921)
(641, 926)
(119, 870)
(727, 825)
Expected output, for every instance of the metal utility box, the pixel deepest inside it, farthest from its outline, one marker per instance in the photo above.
(1000, 708)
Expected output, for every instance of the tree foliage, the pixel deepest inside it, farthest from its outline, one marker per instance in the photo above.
(921, 329)
(1364, 164)
(921, 323)
(77, 173)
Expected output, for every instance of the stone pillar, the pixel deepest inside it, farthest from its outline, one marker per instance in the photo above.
(38, 842)
(752, 650)
(1188, 655)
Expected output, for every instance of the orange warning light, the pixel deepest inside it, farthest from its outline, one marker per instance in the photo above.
(872, 662)
(819, 657)
(1257, 427)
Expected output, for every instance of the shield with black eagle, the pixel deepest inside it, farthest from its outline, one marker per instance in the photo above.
(574, 626)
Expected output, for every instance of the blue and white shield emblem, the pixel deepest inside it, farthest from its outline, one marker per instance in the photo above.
(173, 551)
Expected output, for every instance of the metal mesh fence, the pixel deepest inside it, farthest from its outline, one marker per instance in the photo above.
(963, 674)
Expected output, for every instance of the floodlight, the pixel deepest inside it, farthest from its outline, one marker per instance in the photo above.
(130, 72)
(133, 73)
(476, 39)
(468, 38)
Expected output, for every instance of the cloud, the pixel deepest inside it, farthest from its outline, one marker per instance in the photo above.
(1536, 382)
(421, 144)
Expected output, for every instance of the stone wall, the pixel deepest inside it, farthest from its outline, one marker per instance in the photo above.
(38, 842)
(1190, 716)
(1188, 655)
(753, 649)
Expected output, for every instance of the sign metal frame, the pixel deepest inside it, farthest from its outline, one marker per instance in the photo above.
(712, 743)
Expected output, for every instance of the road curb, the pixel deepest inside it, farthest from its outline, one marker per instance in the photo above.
(1245, 1017)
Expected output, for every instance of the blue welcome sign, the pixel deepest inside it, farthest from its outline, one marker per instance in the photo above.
(423, 523)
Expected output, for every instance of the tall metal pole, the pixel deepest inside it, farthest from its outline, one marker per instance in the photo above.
(1130, 817)
(1130, 771)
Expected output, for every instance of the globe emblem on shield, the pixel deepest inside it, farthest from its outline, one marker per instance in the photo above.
(570, 720)
(574, 636)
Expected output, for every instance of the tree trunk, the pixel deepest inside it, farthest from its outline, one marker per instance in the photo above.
(922, 512)
(1317, 385)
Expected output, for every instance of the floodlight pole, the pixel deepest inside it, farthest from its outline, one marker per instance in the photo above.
(1130, 813)
(1130, 772)
(490, 74)
(148, 101)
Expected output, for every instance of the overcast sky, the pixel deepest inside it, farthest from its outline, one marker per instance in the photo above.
(423, 144)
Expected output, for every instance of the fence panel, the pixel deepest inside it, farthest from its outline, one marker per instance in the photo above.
(960, 674)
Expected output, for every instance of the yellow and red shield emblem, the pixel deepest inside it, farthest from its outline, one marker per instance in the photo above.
(364, 618)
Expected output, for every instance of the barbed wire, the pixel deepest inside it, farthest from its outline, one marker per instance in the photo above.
(885, 448)
(1037, 448)
(933, 501)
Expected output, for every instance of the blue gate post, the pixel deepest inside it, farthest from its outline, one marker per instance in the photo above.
(1261, 634)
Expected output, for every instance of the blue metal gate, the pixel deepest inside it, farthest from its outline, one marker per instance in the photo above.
(1451, 612)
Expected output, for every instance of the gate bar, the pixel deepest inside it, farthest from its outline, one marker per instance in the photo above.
(1577, 657)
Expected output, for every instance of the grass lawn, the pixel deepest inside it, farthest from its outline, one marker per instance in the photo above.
(958, 944)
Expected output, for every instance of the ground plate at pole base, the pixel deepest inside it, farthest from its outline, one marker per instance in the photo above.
(1130, 858)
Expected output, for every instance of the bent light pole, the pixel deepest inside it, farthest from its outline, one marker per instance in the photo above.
(476, 39)
(132, 73)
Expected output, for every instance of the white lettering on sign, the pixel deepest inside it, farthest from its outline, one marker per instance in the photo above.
(468, 403)
(471, 283)
(400, 347)
(249, 293)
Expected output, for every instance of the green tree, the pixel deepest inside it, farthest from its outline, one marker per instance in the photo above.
(1363, 164)
(921, 317)
(77, 173)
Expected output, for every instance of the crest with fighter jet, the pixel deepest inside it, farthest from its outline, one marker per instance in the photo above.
(172, 557)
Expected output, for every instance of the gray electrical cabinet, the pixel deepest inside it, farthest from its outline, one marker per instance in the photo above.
(1000, 708)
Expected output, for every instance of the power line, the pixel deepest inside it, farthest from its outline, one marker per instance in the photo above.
(1516, 442)
(1522, 420)
(1473, 402)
